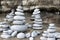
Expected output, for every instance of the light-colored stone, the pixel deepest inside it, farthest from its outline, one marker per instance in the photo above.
(20, 35)
(28, 35)
(14, 34)
(19, 27)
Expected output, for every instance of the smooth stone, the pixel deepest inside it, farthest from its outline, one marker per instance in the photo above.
(39, 20)
(19, 13)
(34, 13)
(50, 27)
(46, 32)
(29, 25)
(50, 38)
(19, 17)
(34, 34)
(36, 22)
(14, 34)
(31, 38)
(51, 24)
(45, 35)
(9, 16)
(57, 35)
(36, 10)
(10, 32)
(38, 28)
(28, 35)
(5, 36)
(43, 38)
(19, 27)
(51, 30)
(19, 10)
(4, 26)
(37, 16)
(51, 35)
(19, 7)
(10, 19)
(18, 22)
(34, 25)
(20, 35)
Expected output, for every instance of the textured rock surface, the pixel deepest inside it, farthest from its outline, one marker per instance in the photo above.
(29, 4)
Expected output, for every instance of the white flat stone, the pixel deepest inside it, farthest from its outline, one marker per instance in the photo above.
(19, 7)
(34, 34)
(10, 19)
(11, 14)
(45, 35)
(51, 35)
(19, 27)
(36, 10)
(39, 28)
(8, 16)
(21, 35)
(19, 10)
(51, 24)
(36, 22)
(39, 20)
(29, 25)
(18, 22)
(57, 35)
(19, 13)
(50, 38)
(31, 38)
(43, 38)
(50, 27)
(4, 26)
(37, 16)
(51, 30)
(5, 36)
(10, 32)
(28, 35)
(14, 34)
(37, 25)
(34, 13)
(19, 17)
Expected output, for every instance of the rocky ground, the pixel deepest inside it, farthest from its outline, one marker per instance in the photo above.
(28, 15)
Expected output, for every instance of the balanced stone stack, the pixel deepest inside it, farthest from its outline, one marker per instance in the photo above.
(51, 28)
(10, 16)
(36, 11)
(50, 33)
(37, 20)
(4, 26)
(19, 20)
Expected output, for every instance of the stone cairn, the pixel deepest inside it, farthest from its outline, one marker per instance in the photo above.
(9, 17)
(37, 23)
(51, 33)
(18, 25)
(36, 11)
(19, 20)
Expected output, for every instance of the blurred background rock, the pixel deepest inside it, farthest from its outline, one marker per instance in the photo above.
(7, 5)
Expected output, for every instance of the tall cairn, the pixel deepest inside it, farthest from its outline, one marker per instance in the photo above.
(37, 23)
(19, 20)
(36, 11)
(9, 17)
